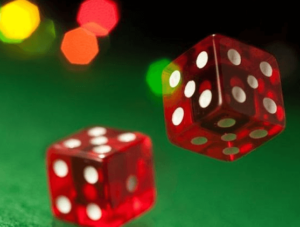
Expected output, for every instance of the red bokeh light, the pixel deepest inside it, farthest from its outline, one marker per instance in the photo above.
(98, 16)
(80, 46)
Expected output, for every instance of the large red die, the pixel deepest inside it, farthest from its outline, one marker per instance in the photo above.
(101, 177)
(223, 98)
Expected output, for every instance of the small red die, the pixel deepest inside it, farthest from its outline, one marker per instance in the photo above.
(223, 98)
(101, 177)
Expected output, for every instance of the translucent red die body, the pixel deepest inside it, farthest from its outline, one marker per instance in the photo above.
(101, 177)
(223, 98)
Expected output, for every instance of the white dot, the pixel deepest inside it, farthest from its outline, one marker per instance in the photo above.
(259, 133)
(252, 81)
(90, 174)
(226, 122)
(101, 156)
(190, 89)
(199, 140)
(174, 78)
(99, 140)
(72, 143)
(93, 211)
(228, 137)
(63, 204)
(238, 94)
(102, 149)
(231, 150)
(266, 68)
(60, 168)
(127, 137)
(270, 105)
(202, 59)
(131, 183)
(177, 116)
(234, 57)
(97, 131)
(205, 98)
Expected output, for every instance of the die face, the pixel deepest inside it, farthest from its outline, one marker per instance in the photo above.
(60, 181)
(94, 177)
(131, 178)
(250, 81)
(191, 88)
(242, 105)
(91, 202)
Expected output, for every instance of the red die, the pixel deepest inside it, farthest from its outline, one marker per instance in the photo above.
(222, 98)
(101, 177)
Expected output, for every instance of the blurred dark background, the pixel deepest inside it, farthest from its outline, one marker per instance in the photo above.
(175, 26)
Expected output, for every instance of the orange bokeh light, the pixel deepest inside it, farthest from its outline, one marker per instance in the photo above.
(98, 16)
(80, 46)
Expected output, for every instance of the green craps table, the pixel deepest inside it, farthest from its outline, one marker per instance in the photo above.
(44, 99)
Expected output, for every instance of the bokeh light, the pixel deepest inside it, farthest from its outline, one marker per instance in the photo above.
(171, 70)
(41, 40)
(80, 46)
(19, 19)
(98, 16)
(8, 40)
(153, 77)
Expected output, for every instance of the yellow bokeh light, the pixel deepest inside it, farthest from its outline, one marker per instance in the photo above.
(19, 19)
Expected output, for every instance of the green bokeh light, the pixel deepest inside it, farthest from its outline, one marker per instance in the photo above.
(41, 40)
(153, 77)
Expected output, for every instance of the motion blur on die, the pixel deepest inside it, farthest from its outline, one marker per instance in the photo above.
(223, 98)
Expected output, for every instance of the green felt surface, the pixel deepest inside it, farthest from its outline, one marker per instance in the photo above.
(42, 100)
